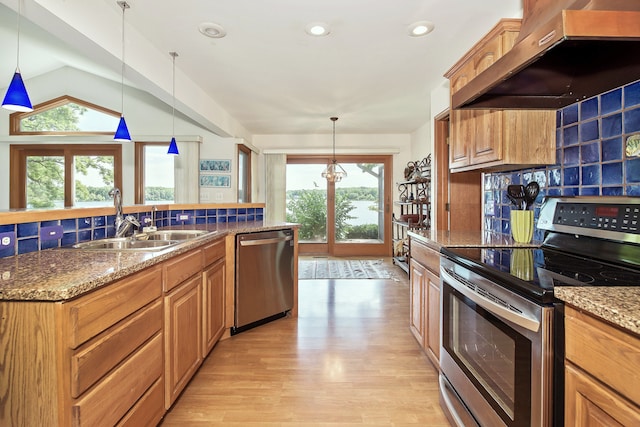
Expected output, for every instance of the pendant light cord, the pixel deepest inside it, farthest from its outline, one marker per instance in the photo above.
(124, 6)
(18, 49)
(173, 124)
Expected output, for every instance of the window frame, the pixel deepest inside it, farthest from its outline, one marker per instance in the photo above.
(139, 183)
(18, 154)
(16, 118)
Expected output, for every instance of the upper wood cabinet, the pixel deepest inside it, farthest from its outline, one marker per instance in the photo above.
(496, 139)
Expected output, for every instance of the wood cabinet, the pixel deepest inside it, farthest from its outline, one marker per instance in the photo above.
(95, 360)
(118, 355)
(602, 371)
(213, 296)
(496, 139)
(417, 292)
(183, 336)
(424, 282)
(194, 313)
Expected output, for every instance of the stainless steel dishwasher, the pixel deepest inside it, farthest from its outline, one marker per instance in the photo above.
(264, 277)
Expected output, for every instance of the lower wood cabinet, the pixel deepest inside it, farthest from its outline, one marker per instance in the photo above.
(417, 291)
(424, 284)
(213, 295)
(602, 369)
(183, 336)
(119, 355)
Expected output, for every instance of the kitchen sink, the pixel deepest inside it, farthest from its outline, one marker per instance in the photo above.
(151, 241)
(125, 243)
(171, 235)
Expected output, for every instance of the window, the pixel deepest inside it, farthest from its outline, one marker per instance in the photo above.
(65, 116)
(63, 175)
(244, 174)
(154, 173)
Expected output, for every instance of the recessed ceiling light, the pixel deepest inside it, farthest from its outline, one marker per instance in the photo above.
(420, 28)
(212, 30)
(317, 29)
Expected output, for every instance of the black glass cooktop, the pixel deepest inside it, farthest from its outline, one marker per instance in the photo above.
(535, 272)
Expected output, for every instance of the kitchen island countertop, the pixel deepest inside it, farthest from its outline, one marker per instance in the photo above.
(64, 273)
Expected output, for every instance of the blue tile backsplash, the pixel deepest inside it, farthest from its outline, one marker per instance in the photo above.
(590, 157)
(27, 235)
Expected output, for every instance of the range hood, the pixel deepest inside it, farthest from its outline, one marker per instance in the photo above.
(567, 51)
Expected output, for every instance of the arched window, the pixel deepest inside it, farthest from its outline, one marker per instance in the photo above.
(64, 116)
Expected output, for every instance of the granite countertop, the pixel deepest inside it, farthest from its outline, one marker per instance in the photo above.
(619, 305)
(65, 273)
(460, 239)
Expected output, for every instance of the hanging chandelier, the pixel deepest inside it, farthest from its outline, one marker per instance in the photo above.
(334, 172)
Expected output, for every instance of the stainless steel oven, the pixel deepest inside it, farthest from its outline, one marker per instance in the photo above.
(497, 350)
(502, 332)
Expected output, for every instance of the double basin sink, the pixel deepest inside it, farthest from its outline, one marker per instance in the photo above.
(151, 241)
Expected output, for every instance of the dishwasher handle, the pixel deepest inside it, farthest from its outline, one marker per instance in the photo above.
(260, 242)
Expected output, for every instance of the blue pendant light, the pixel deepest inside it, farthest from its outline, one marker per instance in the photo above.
(122, 133)
(173, 147)
(17, 98)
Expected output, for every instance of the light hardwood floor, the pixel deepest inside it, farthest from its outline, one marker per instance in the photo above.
(348, 360)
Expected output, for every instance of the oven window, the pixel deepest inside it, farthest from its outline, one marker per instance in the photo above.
(495, 357)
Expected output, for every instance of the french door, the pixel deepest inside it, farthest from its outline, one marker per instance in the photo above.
(347, 218)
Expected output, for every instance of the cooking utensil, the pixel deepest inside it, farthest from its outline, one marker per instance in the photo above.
(531, 193)
(517, 195)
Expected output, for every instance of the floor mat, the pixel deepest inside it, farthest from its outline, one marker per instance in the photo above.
(343, 269)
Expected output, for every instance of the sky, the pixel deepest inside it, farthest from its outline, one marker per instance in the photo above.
(303, 176)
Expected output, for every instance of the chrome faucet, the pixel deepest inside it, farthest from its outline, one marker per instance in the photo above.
(123, 224)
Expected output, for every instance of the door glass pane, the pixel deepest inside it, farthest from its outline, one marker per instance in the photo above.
(359, 208)
(307, 201)
(45, 181)
(93, 180)
(158, 175)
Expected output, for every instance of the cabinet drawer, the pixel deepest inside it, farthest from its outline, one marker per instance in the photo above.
(213, 252)
(607, 353)
(149, 410)
(93, 313)
(426, 256)
(115, 395)
(107, 350)
(181, 268)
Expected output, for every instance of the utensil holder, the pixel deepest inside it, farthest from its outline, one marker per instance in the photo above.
(522, 225)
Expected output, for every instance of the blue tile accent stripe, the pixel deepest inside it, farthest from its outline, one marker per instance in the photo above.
(591, 158)
(27, 236)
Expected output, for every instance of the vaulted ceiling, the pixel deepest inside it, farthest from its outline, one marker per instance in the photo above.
(267, 74)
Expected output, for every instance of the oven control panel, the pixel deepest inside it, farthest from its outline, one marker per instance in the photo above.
(623, 218)
(605, 217)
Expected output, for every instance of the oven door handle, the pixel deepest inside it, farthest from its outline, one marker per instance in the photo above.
(497, 309)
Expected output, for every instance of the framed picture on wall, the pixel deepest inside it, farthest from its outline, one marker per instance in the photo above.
(207, 180)
(215, 165)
